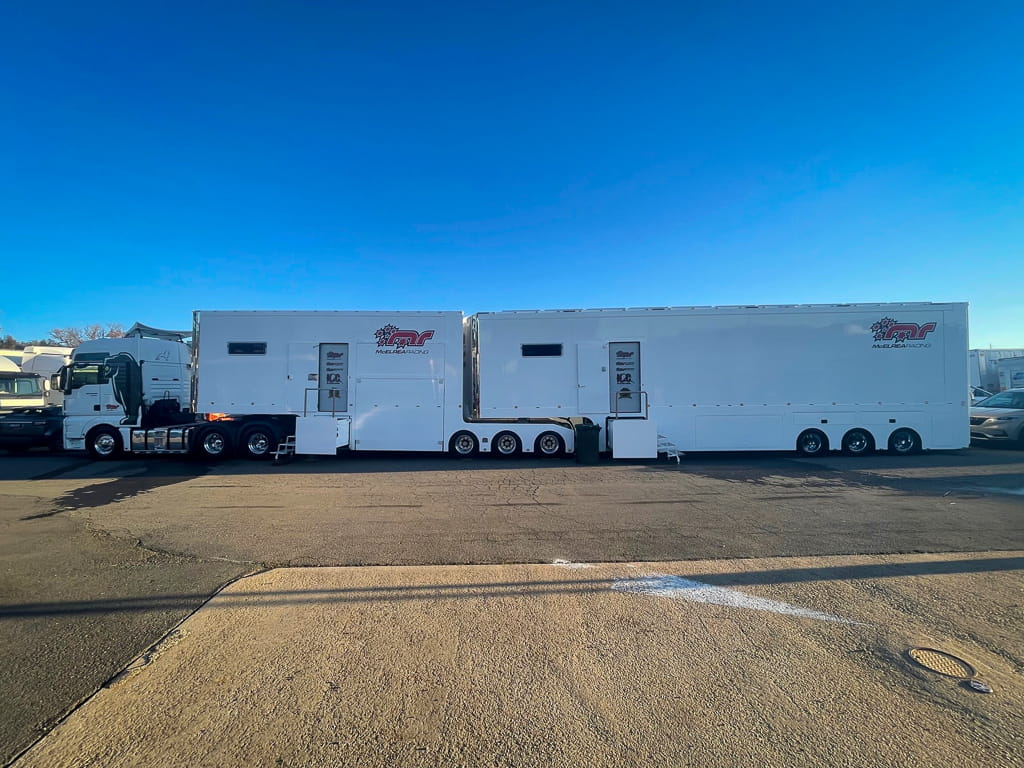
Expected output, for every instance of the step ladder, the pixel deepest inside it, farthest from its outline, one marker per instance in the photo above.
(669, 448)
(285, 448)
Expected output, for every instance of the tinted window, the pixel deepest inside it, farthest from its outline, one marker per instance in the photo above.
(247, 348)
(542, 350)
(88, 373)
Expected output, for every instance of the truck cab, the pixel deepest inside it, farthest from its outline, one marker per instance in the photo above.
(20, 390)
(114, 385)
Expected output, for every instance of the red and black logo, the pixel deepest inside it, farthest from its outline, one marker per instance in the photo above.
(391, 336)
(899, 334)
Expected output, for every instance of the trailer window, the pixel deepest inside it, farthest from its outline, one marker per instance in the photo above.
(542, 350)
(247, 348)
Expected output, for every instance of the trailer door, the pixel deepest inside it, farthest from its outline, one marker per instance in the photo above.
(592, 377)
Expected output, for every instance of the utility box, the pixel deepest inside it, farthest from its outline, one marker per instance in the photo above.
(633, 438)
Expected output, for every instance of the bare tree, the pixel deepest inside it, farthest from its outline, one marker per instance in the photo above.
(72, 336)
(9, 342)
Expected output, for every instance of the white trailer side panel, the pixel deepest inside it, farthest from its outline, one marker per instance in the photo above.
(737, 378)
(390, 373)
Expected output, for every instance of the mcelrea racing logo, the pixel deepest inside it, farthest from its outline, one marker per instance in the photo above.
(895, 335)
(391, 336)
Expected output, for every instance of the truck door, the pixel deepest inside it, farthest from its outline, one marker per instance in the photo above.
(303, 357)
(624, 377)
(592, 377)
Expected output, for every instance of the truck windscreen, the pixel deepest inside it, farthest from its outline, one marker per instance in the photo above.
(26, 386)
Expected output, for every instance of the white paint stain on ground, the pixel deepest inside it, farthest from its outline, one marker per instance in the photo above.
(994, 489)
(571, 564)
(676, 587)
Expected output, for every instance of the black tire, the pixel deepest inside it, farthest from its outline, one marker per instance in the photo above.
(259, 441)
(212, 444)
(812, 443)
(463, 444)
(104, 443)
(549, 444)
(506, 444)
(858, 442)
(904, 442)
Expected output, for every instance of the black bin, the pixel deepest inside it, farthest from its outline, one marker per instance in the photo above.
(588, 449)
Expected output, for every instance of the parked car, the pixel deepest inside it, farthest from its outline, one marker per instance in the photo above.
(999, 418)
(977, 394)
(26, 428)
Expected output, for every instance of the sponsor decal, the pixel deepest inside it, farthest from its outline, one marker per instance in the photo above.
(391, 340)
(889, 334)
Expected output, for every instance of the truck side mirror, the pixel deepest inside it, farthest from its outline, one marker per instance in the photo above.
(59, 380)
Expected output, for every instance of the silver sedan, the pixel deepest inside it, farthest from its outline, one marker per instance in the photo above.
(999, 418)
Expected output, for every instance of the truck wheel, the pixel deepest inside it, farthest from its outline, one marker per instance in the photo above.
(858, 442)
(506, 444)
(549, 444)
(812, 442)
(904, 442)
(104, 443)
(259, 442)
(463, 444)
(214, 443)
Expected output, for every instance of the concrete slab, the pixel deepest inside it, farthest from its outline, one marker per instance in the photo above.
(570, 665)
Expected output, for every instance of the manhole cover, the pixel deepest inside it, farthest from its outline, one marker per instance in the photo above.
(942, 662)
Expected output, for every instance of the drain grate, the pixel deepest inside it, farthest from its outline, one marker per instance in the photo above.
(944, 663)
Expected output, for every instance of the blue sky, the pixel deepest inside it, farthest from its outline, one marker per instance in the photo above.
(157, 158)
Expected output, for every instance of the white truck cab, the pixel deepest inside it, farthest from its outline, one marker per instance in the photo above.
(114, 385)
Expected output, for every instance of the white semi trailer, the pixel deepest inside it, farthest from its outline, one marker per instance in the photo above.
(811, 378)
(850, 377)
(984, 367)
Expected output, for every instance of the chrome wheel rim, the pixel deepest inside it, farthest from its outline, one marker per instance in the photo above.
(810, 444)
(549, 444)
(858, 442)
(213, 444)
(507, 444)
(464, 445)
(258, 443)
(902, 442)
(104, 444)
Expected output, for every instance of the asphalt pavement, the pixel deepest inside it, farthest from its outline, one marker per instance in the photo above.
(100, 561)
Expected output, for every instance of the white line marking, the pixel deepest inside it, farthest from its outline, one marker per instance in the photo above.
(571, 564)
(660, 585)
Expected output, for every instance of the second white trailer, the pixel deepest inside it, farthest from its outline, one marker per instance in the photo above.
(854, 377)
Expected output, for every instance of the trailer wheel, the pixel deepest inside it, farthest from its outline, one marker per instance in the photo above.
(904, 442)
(506, 444)
(213, 443)
(549, 444)
(463, 444)
(104, 443)
(259, 441)
(858, 442)
(812, 442)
